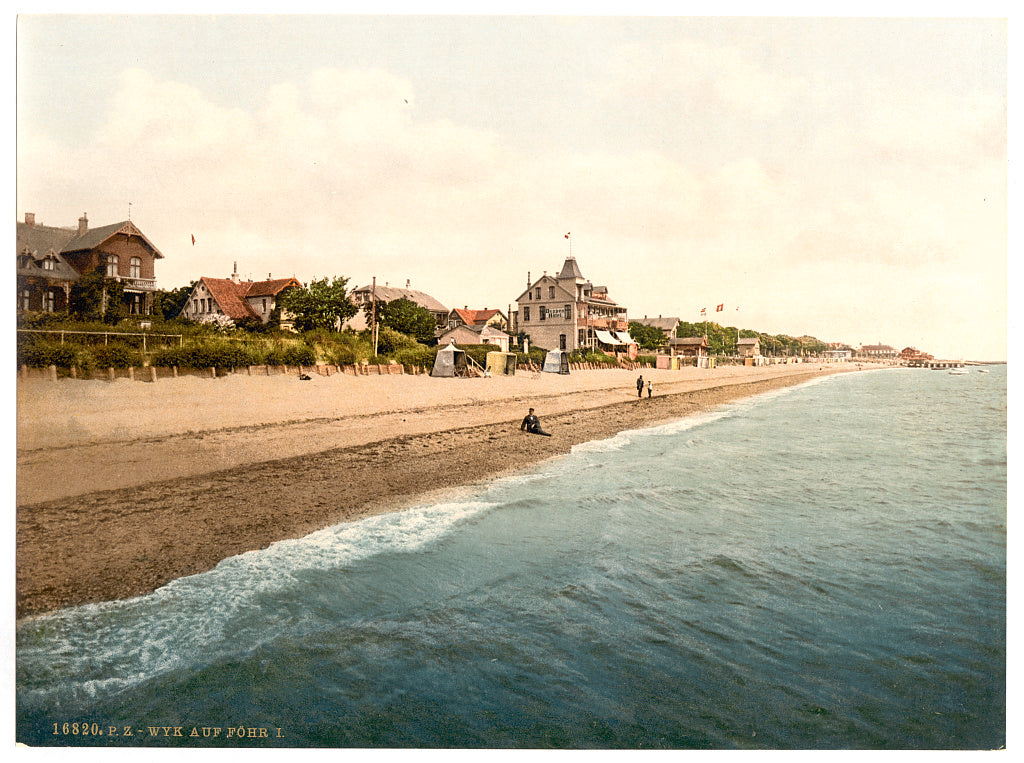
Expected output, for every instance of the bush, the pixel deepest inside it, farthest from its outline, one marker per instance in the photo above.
(290, 355)
(221, 353)
(390, 341)
(419, 356)
(116, 355)
(41, 353)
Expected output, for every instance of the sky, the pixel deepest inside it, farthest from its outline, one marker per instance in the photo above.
(843, 178)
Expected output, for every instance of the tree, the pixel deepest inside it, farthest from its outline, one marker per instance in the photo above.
(406, 317)
(169, 304)
(94, 297)
(647, 337)
(322, 304)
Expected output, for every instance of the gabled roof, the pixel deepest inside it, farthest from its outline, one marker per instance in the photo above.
(62, 269)
(269, 288)
(93, 237)
(668, 325)
(475, 317)
(548, 280)
(42, 238)
(391, 293)
(231, 296)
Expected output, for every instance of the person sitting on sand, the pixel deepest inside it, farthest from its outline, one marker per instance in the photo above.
(531, 424)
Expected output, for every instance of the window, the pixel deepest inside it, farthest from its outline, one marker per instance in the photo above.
(526, 314)
(111, 266)
(551, 292)
(568, 312)
(561, 341)
(538, 292)
(49, 301)
(48, 264)
(542, 312)
(135, 267)
(26, 299)
(195, 305)
(264, 305)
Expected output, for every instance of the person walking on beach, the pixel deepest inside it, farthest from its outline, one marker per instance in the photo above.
(640, 386)
(648, 389)
(531, 424)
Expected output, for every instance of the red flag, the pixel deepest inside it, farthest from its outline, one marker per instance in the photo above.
(703, 311)
(720, 308)
(567, 235)
(193, 239)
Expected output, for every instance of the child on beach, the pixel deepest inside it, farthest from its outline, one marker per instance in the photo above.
(648, 388)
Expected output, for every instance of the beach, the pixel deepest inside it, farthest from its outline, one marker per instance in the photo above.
(124, 486)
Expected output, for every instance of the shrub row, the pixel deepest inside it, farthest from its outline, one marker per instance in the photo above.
(45, 352)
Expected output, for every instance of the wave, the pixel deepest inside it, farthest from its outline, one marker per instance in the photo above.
(199, 618)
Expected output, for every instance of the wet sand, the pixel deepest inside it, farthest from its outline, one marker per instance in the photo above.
(124, 486)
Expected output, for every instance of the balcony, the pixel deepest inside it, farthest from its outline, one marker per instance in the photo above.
(137, 284)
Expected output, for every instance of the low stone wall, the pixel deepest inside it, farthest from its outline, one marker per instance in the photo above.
(155, 373)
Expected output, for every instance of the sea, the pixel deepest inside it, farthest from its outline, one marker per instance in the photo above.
(818, 567)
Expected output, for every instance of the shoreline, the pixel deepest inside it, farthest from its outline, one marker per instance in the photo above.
(124, 540)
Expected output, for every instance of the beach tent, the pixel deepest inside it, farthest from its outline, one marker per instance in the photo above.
(450, 361)
(501, 363)
(556, 362)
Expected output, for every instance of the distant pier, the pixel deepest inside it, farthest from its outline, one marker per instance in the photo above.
(932, 363)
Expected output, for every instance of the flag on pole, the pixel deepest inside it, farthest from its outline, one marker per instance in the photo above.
(567, 235)
(703, 311)
(193, 239)
(720, 308)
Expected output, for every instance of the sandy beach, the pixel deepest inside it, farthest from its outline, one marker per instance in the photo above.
(124, 486)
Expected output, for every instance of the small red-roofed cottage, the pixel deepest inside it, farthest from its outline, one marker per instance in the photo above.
(220, 300)
(477, 319)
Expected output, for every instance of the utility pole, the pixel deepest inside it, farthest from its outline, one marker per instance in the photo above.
(373, 315)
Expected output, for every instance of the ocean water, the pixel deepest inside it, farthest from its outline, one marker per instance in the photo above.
(820, 567)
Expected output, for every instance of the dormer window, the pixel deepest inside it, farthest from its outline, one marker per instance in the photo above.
(48, 264)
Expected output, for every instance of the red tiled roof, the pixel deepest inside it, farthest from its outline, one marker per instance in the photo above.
(230, 297)
(269, 288)
(475, 317)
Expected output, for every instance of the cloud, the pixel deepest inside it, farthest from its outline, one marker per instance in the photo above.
(701, 77)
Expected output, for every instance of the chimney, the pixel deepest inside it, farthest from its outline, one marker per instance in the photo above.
(30, 219)
(407, 282)
(234, 274)
(83, 224)
(268, 276)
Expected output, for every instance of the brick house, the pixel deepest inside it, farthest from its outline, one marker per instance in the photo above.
(215, 299)
(568, 312)
(51, 259)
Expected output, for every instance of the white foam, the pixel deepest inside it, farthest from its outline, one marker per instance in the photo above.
(193, 620)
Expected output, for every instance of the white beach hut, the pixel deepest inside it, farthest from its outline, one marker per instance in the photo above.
(556, 362)
(450, 361)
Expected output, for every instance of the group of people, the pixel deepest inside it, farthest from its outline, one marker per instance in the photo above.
(640, 387)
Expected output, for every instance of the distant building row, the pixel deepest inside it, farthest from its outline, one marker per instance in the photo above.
(565, 311)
